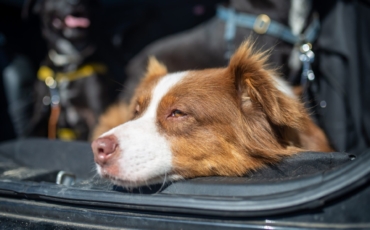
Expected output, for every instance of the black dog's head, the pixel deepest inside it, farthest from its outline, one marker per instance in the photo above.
(72, 20)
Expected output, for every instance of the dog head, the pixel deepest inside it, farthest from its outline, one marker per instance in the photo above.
(223, 122)
(71, 20)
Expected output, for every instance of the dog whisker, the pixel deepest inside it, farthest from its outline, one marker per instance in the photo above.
(163, 183)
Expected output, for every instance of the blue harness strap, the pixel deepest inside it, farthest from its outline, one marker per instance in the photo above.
(262, 24)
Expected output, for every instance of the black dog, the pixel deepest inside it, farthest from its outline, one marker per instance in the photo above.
(73, 87)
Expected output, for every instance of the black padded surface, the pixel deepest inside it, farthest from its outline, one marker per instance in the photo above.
(75, 157)
(282, 177)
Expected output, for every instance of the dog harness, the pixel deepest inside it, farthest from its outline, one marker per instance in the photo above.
(85, 71)
(52, 79)
(262, 24)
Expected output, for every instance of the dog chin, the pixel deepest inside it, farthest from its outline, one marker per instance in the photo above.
(129, 184)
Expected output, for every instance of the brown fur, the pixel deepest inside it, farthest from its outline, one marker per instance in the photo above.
(232, 119)
(115, 115)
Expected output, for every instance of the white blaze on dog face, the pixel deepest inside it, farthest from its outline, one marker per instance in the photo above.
(144, 153)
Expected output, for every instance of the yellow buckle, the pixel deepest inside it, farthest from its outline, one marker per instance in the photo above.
(66, 134)
(261, 24)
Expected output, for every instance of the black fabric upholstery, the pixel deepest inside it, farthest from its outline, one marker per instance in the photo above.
(75, 157)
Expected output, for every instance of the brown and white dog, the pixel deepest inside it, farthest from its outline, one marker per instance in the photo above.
(212, 122)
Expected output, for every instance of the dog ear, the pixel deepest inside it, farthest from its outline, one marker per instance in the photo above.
(155, 69)
(257, 87)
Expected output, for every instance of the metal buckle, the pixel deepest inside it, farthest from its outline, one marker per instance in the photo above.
(65, 178)
(261, 24)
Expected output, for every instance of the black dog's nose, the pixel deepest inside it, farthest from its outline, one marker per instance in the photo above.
(104, 148)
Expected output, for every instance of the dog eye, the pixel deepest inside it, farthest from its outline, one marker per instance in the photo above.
(177, 113)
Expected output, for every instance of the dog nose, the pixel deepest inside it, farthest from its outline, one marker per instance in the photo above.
(104, 148)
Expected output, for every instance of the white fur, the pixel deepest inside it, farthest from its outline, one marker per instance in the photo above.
(283, 86)
(145, 155)
(163, 86)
